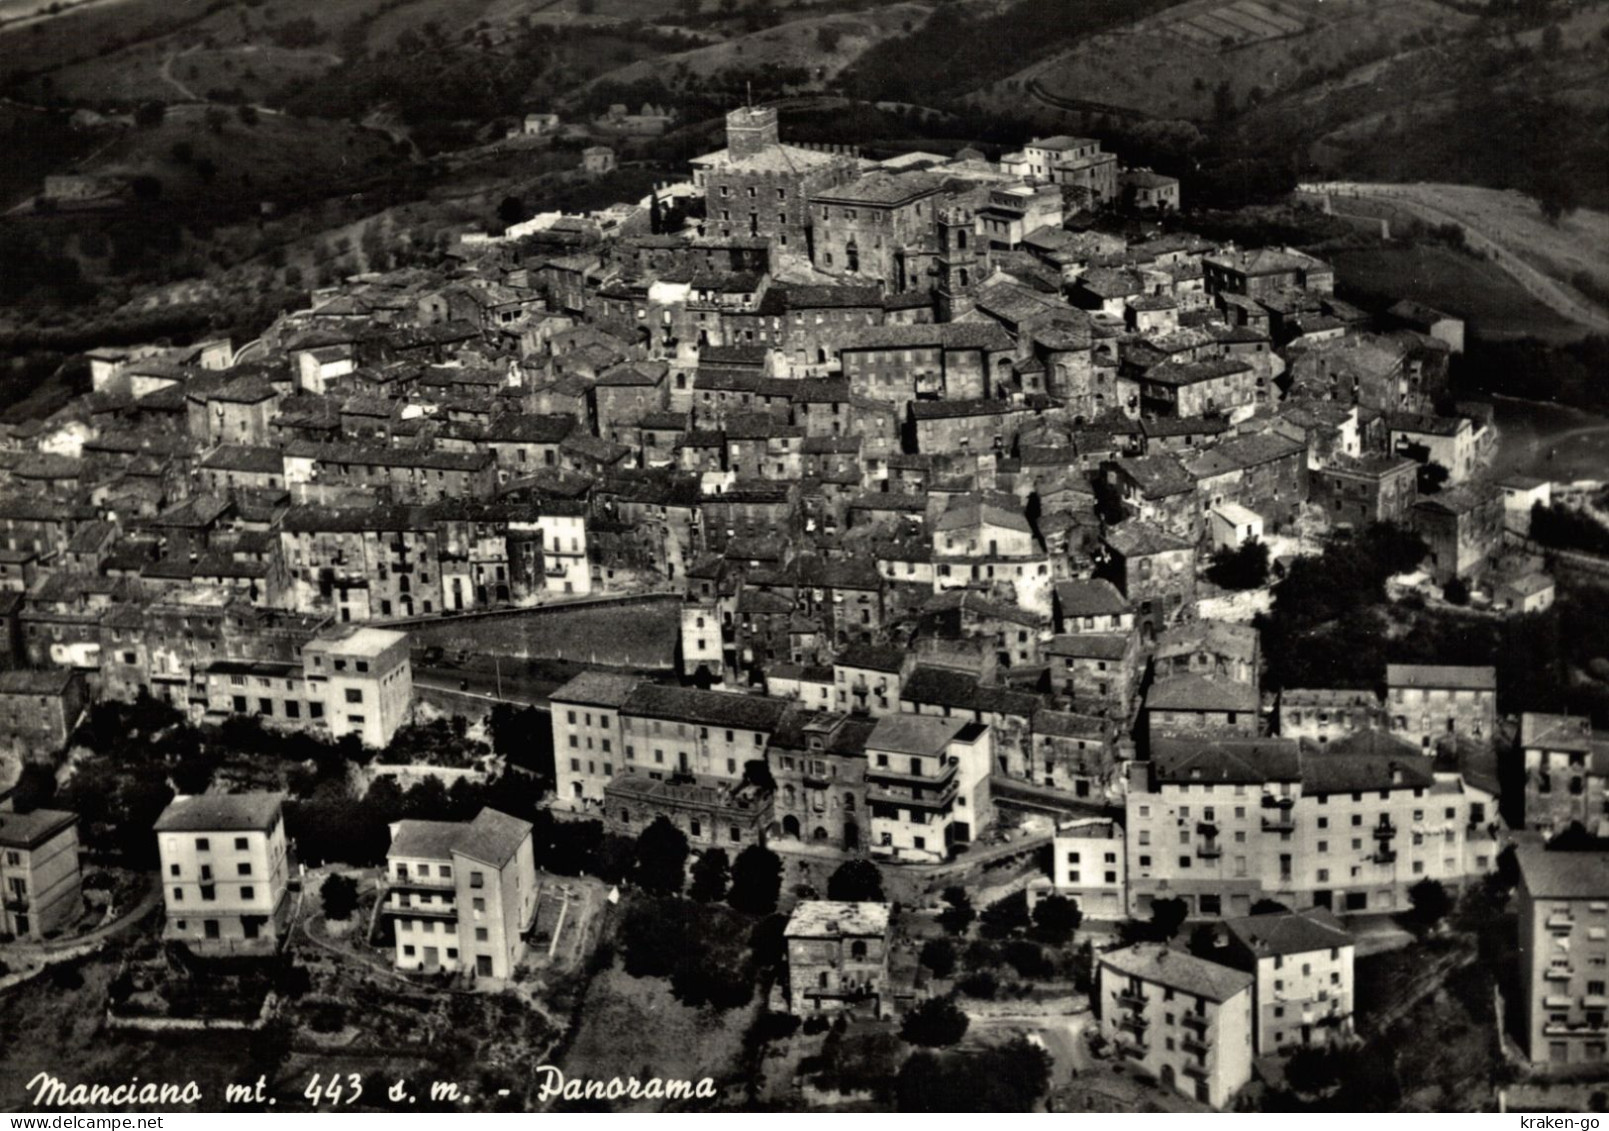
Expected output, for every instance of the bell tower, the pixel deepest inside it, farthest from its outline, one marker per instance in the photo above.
(957, 262)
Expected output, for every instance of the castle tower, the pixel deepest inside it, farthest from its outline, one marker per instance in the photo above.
(750, 130)
(957, 262)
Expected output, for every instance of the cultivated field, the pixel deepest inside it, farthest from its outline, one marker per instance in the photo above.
(1171, 64)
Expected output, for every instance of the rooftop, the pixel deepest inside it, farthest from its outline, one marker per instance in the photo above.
(221, 812)
(1159, 964)
(831, 919)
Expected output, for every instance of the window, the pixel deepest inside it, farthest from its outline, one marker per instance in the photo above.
(248, 892)
(482, 934)
(477, 879)
(209, 891)
(203, 844)
(354, 695)
(243, 868)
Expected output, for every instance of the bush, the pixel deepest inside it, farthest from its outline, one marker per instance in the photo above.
(340, 897)
(1005, 917)
(711, 874)
(1055, 919)
(856, 881)
(1245, 567)
(938, 955)
(957, 916)
(934, 1023)
(982, 985)
(756, 881)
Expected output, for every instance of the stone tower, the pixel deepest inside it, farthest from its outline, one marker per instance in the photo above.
(957, 262)
(750, 130)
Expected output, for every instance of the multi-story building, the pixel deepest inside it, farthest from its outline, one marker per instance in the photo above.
(863, 229)
(461, 894)
(588, 735)
(1463, 528)
(38, 711)
(363, 678)
(757, 186)
(1351, 827)
(1431, 703)
(1563, 912)
(1323, 715)
(1087, 867)
(1566, 773)
(225, 871)
(39, 876)
(1181, 1019)
(818, 760)
(1373, 488)
(838, 957)
(678, 731)
(1155, 569)
(1302, 961)
(927, 785)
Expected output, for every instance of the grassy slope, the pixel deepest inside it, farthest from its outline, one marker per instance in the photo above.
(1471, 288)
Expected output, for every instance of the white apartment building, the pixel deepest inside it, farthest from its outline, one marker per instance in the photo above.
(1222, 823)
(225, 869)
(362, 679)
(461, 894)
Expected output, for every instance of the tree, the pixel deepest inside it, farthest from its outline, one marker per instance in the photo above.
(1010, 1077)
(1056, 918)
(340, 896)
(146, 187)
(711, 874)
(1456, 591)
(1430, 902)
(957, 916)
(934, 1023)
(856, 881)
(1004, 917)
(511, 210)
(938, 955)
(660, 864)
(1432, 477)
(1245, 567)
(1204, 941)
(756, 881)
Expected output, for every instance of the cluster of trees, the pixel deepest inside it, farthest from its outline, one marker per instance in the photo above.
(1244, 567)
(955, 52)
(711, 954)
(1567, 528)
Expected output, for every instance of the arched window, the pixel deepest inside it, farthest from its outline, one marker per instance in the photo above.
(857, 949)
(852, 256)
(961, 239)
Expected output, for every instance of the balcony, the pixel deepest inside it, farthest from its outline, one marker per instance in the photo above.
(1207, 829)
(1385, 830)
(1134, 1022)
(1271, 801)
(1209, 851)
(1558, 974)
(1130, 1048)
(16, 901)
(1196, 1070)
(1194, 1045)
(1281, 822)
(1385, 856)
(429, 911)
(1561, 921)
(933, 799)
(882, 774)
(1128, 1000)
(1196, 1021)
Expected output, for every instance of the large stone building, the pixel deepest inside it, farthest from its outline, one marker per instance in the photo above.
(757, 186)
(838, 957)
(1432, 703)
(1566, 774)
(872, 228)
(927, 785)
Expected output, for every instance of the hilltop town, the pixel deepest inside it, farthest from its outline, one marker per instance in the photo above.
(918, 625)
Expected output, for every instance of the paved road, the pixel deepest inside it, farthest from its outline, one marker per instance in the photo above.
(1411, 198)
(45, 951)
